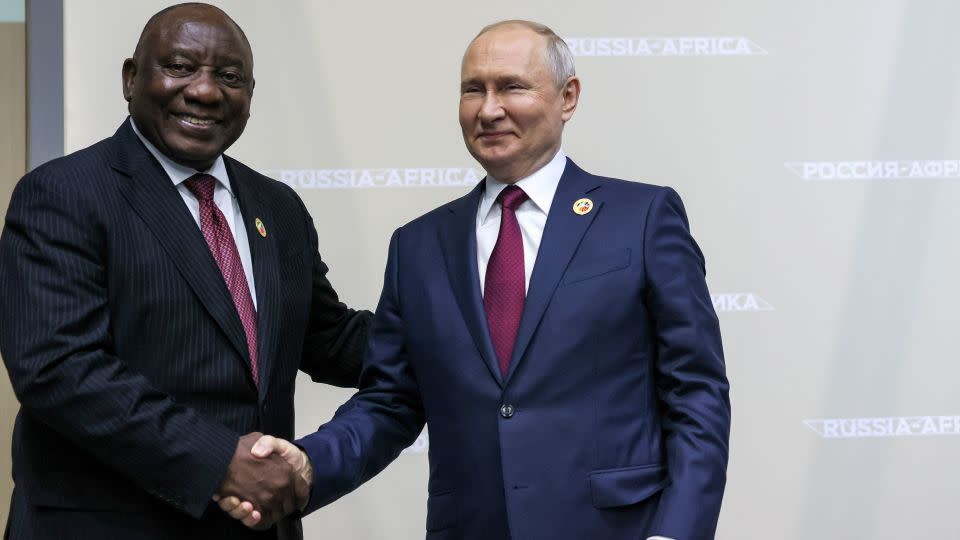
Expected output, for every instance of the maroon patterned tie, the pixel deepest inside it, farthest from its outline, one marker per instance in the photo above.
(503, 286)
(217, 233)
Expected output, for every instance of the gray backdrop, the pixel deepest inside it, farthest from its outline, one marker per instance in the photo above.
(814, 143)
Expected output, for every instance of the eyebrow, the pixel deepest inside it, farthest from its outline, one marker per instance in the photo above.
(497, 80)
(228, 59)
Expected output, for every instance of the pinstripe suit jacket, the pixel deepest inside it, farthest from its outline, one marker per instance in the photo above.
(126, 352)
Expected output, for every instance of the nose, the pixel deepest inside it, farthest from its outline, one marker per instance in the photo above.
(492, 109)
(203, 88)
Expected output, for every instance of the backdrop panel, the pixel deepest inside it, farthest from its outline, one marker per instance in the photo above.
(815, 144)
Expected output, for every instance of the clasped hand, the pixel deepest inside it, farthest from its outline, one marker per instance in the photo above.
(268, 479)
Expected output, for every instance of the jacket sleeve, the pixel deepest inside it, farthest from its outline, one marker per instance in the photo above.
(383, 418)
(336, 339)
(55, 338)
(691, 377)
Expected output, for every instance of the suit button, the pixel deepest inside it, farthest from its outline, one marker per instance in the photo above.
(506, 410)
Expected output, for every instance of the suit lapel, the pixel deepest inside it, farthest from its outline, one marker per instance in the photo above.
(561, 237)
(263, 252)
(156, 200)
(458, 240)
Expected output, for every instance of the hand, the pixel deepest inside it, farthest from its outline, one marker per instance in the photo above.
(242, 510)
(295, 457)
(265, 447)
(268, 486)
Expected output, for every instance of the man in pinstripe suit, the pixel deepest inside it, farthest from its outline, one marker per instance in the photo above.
(139, 352)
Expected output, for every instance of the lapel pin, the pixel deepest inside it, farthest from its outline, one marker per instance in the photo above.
(260, 228)
(582, 206)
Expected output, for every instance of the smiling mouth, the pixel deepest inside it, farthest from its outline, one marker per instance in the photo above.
(196, 121)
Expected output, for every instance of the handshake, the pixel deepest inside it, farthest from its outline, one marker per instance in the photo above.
(268, 479)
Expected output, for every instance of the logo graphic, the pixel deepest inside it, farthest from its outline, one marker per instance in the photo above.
(582, 206)
(419, 446)
(739, 301)
(875, 170)
(665, 46)
(889, 426)
(378, 178)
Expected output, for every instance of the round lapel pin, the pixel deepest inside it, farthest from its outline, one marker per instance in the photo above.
(260, 228)
(582, 206)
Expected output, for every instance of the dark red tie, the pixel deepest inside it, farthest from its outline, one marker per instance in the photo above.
(503, 286)
(217, 233)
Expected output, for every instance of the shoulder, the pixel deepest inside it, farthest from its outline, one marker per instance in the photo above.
(463, 207)
(631, 199)
(68, 197)
(434, 216)
(74, 173)
(632, 190)
(614, 189)
(76, 184)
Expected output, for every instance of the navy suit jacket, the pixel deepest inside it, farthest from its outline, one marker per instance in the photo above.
(613, 420)
(126, 351)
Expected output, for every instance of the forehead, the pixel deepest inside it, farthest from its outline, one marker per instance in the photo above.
(201, 31)
(505, 49)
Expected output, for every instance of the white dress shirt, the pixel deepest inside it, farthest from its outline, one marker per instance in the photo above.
(222, 196)
(531, 216)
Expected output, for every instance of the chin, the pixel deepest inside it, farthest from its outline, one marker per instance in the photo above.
(495, 164)
(195, 161)
(492, 156)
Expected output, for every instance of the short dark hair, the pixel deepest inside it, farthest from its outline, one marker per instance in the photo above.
(200, 5)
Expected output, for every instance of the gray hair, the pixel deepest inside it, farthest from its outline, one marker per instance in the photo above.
(558, 55)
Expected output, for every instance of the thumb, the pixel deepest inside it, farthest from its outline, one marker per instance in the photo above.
(264, 446)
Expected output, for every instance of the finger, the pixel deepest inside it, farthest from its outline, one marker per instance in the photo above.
(292, 454)
(265, 446)
(216, 497)
(251, 438)
(228, 504)
(242, 510)
(253, 519)
(286, 450)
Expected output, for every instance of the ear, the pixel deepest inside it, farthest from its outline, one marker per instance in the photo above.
(129, 73)
(570, 94)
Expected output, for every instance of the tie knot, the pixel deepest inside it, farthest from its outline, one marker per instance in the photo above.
(201, 185)
(512, 197)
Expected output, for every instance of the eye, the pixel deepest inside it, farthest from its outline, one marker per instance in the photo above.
(177, 68)
(231, 77)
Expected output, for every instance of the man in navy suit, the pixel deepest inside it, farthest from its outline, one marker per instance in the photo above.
(157, 300)
(554, 330)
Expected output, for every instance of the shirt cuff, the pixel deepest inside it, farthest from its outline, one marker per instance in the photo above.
(659, 538)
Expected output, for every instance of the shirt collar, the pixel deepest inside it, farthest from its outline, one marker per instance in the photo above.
(179, 173)
(539, 187)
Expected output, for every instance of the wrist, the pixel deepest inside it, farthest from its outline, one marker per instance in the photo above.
(306, 474)
(306, 471)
